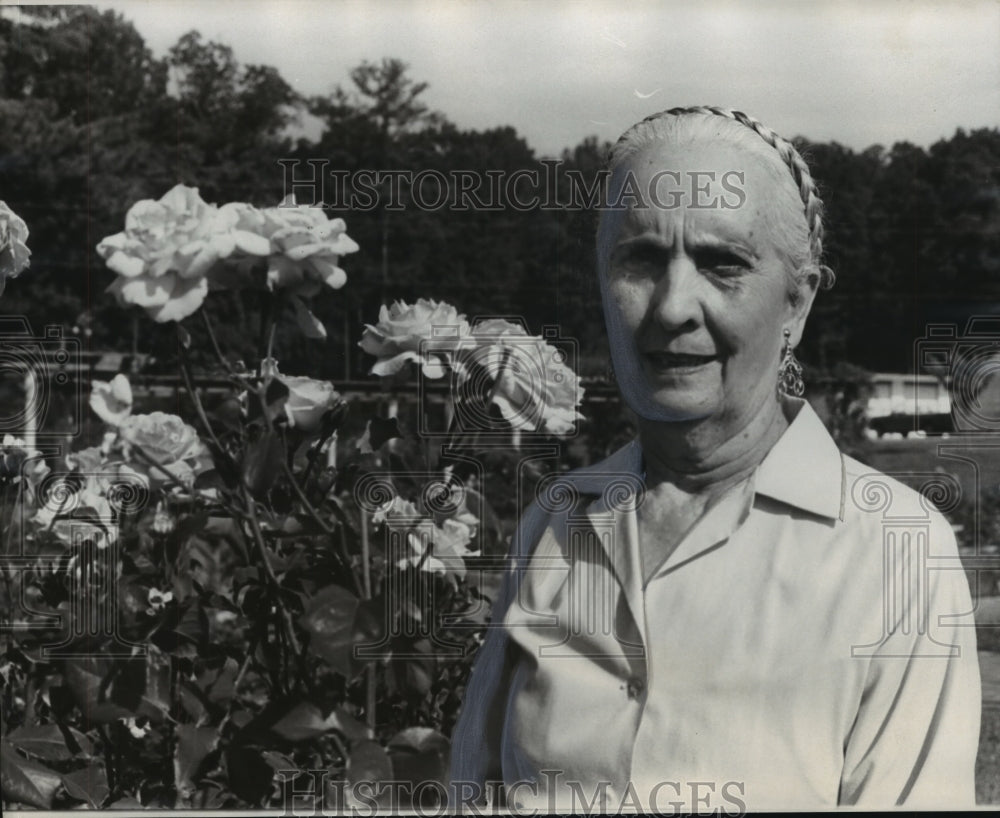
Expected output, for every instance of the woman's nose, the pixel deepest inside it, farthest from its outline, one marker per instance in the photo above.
(675, 301)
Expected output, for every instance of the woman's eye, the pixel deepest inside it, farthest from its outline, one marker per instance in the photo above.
(639, 262)
(721, 262)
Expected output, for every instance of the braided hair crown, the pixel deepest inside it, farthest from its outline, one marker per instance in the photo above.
(790, 157)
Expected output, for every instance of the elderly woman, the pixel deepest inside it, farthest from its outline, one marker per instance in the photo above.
(727, 613)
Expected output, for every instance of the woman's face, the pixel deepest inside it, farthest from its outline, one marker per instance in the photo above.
(696, 294)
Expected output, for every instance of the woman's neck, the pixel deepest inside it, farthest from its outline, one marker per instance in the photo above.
(709, 455)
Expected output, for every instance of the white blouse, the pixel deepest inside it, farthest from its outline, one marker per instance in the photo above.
(810, 643)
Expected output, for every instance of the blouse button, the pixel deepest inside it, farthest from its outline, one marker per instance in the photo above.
(635, 687)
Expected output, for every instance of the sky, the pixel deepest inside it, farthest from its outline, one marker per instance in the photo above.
(854, 72)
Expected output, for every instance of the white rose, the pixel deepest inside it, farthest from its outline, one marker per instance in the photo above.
(428, 333)
(167, 249)
(14, 252)
(308, 401)
(17, 460)
(173, 444)
(416, 534)
(112, 402)
(533, 387)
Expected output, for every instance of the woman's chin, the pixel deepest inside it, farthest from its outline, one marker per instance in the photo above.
(672, 407)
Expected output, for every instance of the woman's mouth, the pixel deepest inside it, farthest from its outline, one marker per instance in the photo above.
(677, 361)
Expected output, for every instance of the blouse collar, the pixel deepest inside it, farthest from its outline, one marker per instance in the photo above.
(804, 468)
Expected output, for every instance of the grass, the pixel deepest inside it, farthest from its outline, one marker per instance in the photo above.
(988, 761)
(912, 461)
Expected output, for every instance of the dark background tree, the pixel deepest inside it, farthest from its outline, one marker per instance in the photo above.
(93, 122)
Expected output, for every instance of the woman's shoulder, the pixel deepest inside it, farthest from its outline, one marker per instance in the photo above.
(614, 482)
(613, 477)
(897, 501)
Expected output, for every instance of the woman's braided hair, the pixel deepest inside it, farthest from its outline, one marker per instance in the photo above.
(791, 158)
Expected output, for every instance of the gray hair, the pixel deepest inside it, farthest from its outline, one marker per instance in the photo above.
(799, 227)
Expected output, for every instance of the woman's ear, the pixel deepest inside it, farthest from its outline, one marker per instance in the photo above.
(807, 283)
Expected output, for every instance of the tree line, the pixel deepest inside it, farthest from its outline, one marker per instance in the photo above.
(93, 122)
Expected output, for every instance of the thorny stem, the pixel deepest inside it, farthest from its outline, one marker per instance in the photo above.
(370, 691)
(215, 343)
(196, 399)
(315, 455)
(8, 536)
(466, 440)
(311, 510)
(258, 536)
(267, 326)
(109, 758)
(270, 339)
(236, 685)
(365, 555)
(159, 466)
(370, 668)
(170, 769)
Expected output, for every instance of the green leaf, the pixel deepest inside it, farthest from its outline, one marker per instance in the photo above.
(193, 745)
(107, 689)
(49, 742)
(133, 596)
(25, 781)
(191, 700)
(310, 325)
(250, 776)
(128, 802)
(89, 679)
(262, 462)
(329, 619)
(228, 413)
(192, 624)
(382, 430)
(419, 675)
(89, 784)
(142, 684)
(279, 762)
(419, 754)
(190, 524)
(367, 763)
(217, 683)
(274, 399)
(306, 721)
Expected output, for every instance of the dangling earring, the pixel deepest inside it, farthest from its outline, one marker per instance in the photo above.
(790, 371)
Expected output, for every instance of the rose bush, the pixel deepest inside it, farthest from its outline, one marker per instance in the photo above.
(271, 614)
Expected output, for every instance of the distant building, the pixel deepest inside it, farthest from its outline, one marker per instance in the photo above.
(899, 394)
